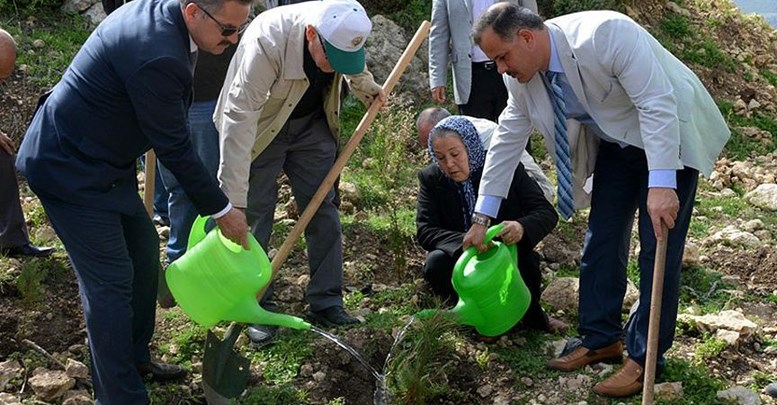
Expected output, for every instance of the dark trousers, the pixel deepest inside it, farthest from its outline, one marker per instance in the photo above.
(13, 230)
(620, 189)
(438, 270)
(305, 150)
(487, 96)
(116, 261)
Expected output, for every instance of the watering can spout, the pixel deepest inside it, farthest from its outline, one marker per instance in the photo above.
(261, 316)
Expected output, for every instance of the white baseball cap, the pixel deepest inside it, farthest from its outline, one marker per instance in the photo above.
(344, 26)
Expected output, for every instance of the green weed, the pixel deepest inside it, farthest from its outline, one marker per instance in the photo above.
(30, 282)
(530, 358)
(676, 26)
(739, 147)
(710, 348)
(418, 371)
(699, 386)
(284, 394)
(770, 76)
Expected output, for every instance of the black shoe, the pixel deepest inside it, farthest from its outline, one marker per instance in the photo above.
(331, 317)
(261, 335)
(160, 372)
(27, 249)
(161, 221)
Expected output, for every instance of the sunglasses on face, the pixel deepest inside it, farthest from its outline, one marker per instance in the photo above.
(226, 31)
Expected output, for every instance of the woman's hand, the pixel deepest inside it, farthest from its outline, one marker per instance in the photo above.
(512, 232)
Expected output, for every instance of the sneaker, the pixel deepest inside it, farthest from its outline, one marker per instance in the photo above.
(261, 335)
(331, 317)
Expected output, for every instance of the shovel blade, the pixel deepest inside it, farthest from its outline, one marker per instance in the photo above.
(224, 371)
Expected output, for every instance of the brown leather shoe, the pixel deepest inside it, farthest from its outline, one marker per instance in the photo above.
(624, 383)
(582, 357)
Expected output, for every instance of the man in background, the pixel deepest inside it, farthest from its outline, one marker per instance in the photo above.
(14, 238)
(478, 88)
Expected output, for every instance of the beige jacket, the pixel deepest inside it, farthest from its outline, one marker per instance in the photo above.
(264, 83)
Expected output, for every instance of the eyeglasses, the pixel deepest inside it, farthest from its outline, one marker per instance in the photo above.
(226, 30)
(321, 40)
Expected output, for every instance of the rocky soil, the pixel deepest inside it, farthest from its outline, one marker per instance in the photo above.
(738, 246)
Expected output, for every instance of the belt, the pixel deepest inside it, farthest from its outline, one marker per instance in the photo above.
(487, 65)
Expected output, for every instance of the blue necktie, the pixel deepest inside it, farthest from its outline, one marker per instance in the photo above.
(565, 200)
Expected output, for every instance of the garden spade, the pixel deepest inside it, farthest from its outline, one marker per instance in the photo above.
(224, 371)
(656, 296)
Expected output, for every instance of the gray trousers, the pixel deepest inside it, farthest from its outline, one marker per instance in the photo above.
(13, 230)
(305, 150)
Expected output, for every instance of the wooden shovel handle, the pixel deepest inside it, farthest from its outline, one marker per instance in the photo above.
(656, 296)
(350, 147)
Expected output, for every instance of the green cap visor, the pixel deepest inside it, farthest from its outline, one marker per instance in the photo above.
(347, 63)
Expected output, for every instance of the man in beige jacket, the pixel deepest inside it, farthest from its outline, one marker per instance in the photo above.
(279, 110)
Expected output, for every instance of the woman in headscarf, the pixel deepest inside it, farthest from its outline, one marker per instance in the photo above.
(446, 201)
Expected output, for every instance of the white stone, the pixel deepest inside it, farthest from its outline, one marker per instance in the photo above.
(753, 225)
(729, 320)
(729, 336)
(9, 399)
(562, 294)
(76, 369)
(49, 385)
(691, 255)
(670, 391)
(485, 390)
(740, 396)
(8, 370)
(764, 196)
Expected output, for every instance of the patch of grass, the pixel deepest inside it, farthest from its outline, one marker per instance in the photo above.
(186, 343)
(739, 146)
(703, 289)
(568, 271)
(709, 348)
(632, 271)
(770, 76)
(284, 394)
(699, 386)
(399, 298)
(676, 26)
(572, 6)
(530, 358)
(281, 361)
(706, 52)
(47, 46)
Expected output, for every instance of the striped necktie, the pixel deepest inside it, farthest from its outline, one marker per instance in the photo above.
(565, 200)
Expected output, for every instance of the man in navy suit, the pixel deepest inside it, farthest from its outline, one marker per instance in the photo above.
(127, 90)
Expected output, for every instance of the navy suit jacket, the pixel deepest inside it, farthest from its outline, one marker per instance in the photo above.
(127, 90)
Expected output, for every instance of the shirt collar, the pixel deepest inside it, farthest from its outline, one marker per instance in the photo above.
(192, 45)
(555, 62)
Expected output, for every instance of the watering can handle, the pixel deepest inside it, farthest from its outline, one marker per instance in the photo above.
(472, 251)
(197, 233)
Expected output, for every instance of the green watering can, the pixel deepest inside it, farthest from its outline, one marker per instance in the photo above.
(217, 280)
(492, 294)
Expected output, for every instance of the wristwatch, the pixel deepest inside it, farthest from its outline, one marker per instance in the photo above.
(480, 219)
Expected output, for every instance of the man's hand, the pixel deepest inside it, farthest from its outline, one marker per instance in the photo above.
(438, 94)
(6, 143)
(662, 205)
(512, 232)
(474, 237)
(234, 226)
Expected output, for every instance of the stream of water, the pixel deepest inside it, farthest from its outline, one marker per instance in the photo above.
(382, 396)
